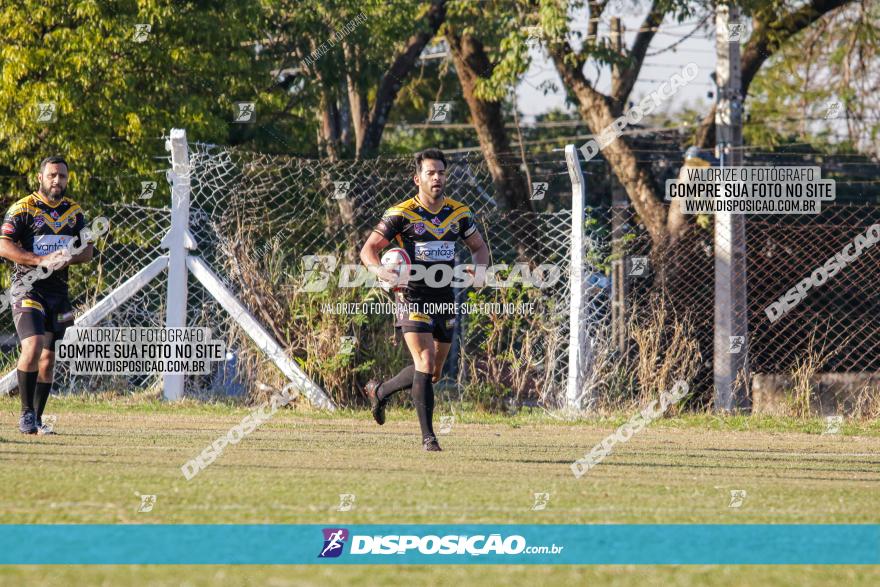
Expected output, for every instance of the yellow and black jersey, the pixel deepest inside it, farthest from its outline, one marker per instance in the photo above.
(42, 228)
(428, 238)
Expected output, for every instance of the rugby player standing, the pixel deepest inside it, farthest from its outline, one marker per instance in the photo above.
(427, 226)
(39, 229)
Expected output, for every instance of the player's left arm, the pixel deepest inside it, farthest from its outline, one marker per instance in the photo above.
(479, 256)
(467, 228)
(66, 259)
(83, 257)
(88, 252)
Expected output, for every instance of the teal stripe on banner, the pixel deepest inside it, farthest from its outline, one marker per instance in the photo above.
(426, 544)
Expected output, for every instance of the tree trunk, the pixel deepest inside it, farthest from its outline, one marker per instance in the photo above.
(472, 63)
(329, 126)
(595, 110)
(357, 99)
(393, 79)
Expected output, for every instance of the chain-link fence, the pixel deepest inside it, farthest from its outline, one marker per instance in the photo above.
(256, 217)
(271, 212)
(833, 328)
(648, 311)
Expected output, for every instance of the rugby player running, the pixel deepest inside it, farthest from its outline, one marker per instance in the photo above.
(38, 230)
(427, 226)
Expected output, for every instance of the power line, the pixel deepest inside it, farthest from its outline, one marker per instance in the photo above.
(680, 41)
(634, 132)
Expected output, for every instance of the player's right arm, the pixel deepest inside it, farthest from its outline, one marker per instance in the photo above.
(10, 236)
(390, 226)
(370, 257)
(11, 251)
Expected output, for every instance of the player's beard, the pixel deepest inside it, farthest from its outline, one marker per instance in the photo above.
(47, 193)
(438, 195)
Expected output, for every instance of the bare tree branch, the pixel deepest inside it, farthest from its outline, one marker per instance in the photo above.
(471, 64)
(622, 85)
(769, 34)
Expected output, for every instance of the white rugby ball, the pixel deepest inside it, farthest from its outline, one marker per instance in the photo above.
(398, 261)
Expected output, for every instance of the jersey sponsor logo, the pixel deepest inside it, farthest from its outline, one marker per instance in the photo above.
(54, 214)
(419, 228)
(454, 228)
(436, 221)
(45, 244)
(39, 221)
(32, 304)
(435, 251)
(71, 220)
(8, 228)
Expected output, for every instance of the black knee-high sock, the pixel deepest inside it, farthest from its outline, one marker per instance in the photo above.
(423, 398)
(41, 396)
(400, 381)
(27, 383)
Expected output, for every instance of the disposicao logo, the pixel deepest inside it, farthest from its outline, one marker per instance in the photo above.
(334, 540)
(450, 544)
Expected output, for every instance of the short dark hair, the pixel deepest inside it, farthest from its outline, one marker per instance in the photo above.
(55, 159)
(435, 154)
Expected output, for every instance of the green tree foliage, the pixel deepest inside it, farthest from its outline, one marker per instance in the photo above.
(347, 60)
(115, 93)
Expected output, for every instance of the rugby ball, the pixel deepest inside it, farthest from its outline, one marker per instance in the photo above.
(398, 261)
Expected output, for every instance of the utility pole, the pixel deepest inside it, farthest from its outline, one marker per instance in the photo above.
(619, 218)
(730, 358)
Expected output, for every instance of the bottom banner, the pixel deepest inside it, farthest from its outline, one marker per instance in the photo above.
(440, 544)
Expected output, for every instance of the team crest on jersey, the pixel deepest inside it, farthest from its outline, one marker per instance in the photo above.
(454, 228)
(71, 220)
(419, 228)
(38, 221)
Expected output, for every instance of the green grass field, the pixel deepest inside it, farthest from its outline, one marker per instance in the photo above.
(293, 468)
